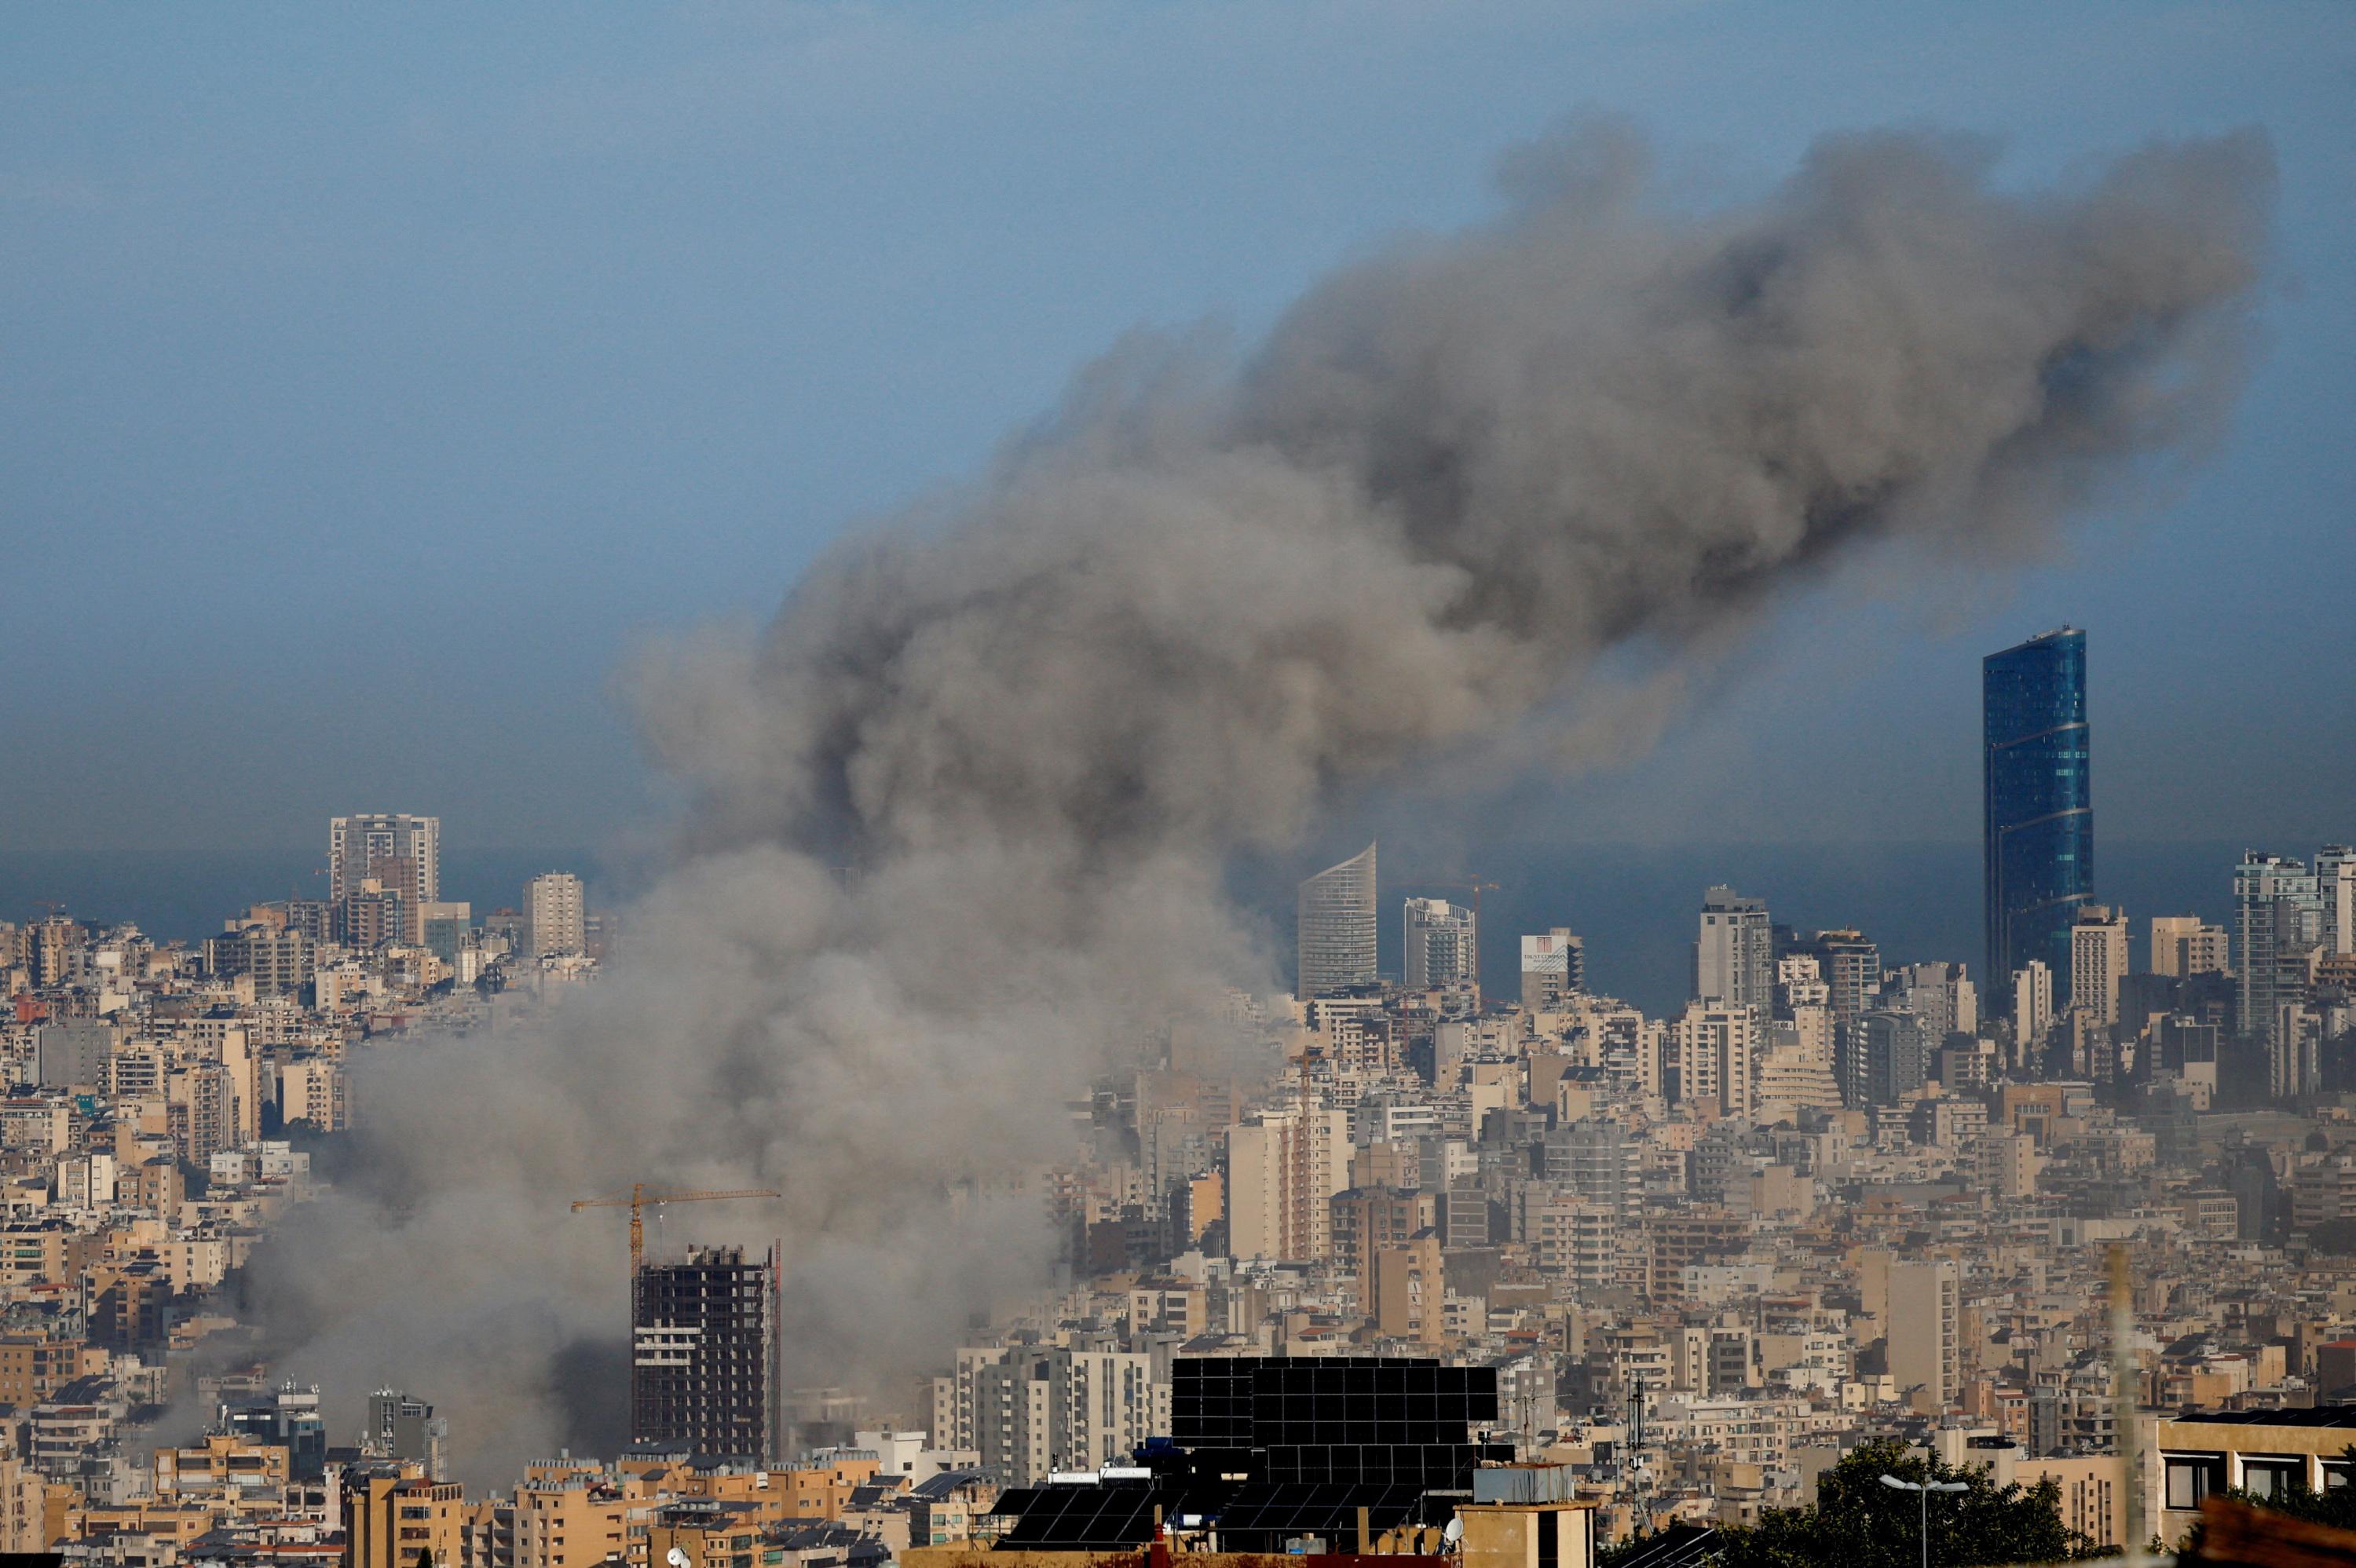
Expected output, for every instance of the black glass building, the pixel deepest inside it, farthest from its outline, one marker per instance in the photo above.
(2038, 796)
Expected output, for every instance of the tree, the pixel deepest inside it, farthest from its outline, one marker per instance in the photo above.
(1857, 1522)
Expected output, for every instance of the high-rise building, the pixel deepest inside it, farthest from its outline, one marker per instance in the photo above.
(1734, 956)
(1714, 1048)
(1335, 930)
(2335, 884)
(2098, 960)
(1850, 963)
(1596, 1158)
(1942, 995)
(372, 916)
(1442, 945)
(280, 961)
(2032, 1002)
(2182, 945)
(402, 852)
(1284, 1167)
(1554, 967)
(2037, 799)
(399, 1427)
(1038, 1410)
(1889, 1058)
(555, 914)
(1925, 1332)
(703, 1342)
(2277, 923)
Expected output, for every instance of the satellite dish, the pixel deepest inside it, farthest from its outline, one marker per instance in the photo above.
(676, 1558)
(1450, 1536)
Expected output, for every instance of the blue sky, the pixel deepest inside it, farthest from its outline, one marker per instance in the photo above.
(372, 380)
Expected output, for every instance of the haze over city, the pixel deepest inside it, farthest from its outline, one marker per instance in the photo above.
(872, 784)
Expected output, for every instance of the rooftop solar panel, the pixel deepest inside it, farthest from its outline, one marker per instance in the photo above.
(1076, 1517)
(1263, 1518)
(1246, 1402)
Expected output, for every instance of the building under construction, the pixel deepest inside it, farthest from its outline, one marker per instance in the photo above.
(703, 1349)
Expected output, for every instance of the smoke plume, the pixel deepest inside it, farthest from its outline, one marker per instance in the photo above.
(1037, 716)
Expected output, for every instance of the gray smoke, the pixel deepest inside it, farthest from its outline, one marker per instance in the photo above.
(1038, 715)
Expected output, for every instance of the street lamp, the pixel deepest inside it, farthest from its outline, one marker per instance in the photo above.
(1925, 1489)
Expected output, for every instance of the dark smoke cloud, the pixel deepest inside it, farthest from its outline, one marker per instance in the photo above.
(1169, 623)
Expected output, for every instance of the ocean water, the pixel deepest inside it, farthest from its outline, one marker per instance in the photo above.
(1635, 905)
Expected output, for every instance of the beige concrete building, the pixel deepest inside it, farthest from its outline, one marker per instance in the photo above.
(2098, 961)
(1410, 1290)
(2185, 945)
(1924, 1331)
(555, 914)
(393, 1515)
(1284, 1167)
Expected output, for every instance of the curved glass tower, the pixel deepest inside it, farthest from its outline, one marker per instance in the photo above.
(1336, 931)
(2038, 802)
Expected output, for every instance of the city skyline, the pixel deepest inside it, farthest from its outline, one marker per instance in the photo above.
(541, 755)
(1329, 775)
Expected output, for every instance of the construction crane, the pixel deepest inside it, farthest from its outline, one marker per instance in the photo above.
(641, 1200)
(637, 1203)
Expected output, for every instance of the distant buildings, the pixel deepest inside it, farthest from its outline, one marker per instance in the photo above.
(1335, 933)
(1039, 1410)
(2278, 924)
(555, 914)
(1442, 945)
(1713, 1049)
(2032, 1002)
(400, 853)
(2098, 960)
(1554, 967)
(2037, 800)
(2183, 945)
(1734, 956)
(1283, 1167)
(1850, 964)
(1926, 1331)
(2335, 884)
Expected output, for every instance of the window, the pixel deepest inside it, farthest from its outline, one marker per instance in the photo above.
(2273, 1475)
(2336, 1474)
(2192, 1477)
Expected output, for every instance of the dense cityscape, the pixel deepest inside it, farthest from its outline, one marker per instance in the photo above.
(1044, 784)
(2072, 1226)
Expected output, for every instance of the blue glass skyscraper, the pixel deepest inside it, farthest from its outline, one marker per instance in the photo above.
(2039, 804)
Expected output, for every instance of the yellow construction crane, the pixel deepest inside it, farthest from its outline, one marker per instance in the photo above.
(637, 1203)
(641, 1200)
